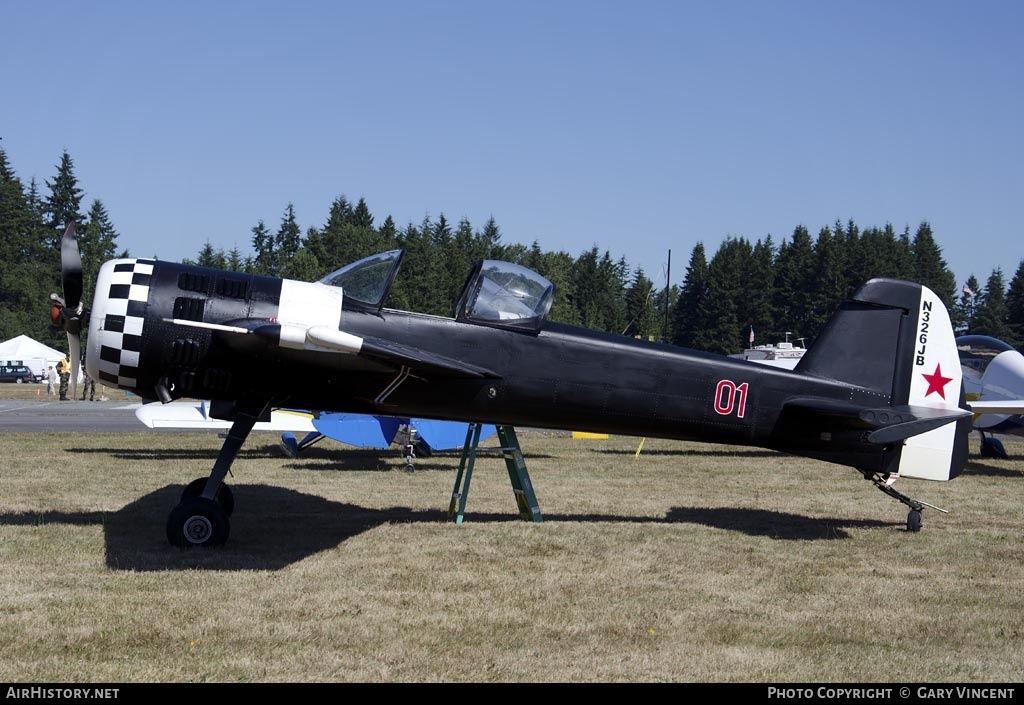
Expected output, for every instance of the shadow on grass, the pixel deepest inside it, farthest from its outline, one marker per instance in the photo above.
(276, 527)
(975, 467)
(696, 452)
(319, 459)
(272, 528)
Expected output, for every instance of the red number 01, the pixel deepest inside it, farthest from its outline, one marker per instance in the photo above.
(729, 396)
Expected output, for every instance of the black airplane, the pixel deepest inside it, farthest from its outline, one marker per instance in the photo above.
(880, 390)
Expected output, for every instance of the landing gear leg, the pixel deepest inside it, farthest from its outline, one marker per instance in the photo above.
(885, 482)
(415, 446)
(201, 517)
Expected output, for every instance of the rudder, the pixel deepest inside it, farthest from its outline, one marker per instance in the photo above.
(895, 338)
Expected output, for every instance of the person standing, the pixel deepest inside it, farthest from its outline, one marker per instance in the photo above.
(64, 370)
(51, 381)
(88, 385)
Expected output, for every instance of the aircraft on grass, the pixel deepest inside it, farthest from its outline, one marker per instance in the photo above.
(880, 391)
(994, 384)
(418, 437)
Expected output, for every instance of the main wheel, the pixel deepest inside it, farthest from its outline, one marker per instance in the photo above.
(914, 520)
(198, 522)
(992, 447)
(225, 497)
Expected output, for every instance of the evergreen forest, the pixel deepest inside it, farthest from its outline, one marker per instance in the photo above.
(762, 289)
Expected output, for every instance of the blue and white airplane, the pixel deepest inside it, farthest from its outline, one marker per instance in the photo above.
(419, 437)
(994, 387)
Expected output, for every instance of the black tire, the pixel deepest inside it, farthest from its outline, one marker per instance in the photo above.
(225, 497)
(198, 522)
(992, 447)
(914, 520)
(19, 380)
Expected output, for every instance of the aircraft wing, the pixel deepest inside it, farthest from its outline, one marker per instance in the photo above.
(447, 435)
(998, 406)
(379, 431)
(358, 430)
(195, 414)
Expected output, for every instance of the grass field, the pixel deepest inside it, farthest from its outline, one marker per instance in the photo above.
(689, 563)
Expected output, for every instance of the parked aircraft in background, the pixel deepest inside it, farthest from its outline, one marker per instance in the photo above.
(880, 391)
(994, 385)
(418, 437)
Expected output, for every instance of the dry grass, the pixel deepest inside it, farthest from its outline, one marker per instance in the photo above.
(691, 563)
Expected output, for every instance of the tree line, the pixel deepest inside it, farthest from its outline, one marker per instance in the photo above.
(745, 290)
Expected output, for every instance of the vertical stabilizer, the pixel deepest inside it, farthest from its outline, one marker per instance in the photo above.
(895, 338)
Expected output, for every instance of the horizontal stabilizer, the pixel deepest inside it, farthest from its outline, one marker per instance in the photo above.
(883, 425)
(913, 421)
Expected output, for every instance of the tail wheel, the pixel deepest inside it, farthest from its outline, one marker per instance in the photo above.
(914, 520)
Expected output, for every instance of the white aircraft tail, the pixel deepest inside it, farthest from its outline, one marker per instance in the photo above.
(896, 337)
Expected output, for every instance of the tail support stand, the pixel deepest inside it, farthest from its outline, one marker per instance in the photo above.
(522, 488)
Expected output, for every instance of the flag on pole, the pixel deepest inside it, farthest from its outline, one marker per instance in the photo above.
(751, 335)
(967, 290)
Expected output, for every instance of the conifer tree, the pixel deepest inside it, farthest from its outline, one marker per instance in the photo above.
(964, 310)
(930, 268)
(361, 216)
(794, 282)
(16, 272)
(64, 203)
(640, 314)
(725, 319)
(687, 319)
(264, 261)
(759, 288)
(990, 317)
(97, 243)
(1015, 309)
(288, 239)
(830, 283)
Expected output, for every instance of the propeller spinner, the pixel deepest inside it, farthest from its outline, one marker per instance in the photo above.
(67, 312)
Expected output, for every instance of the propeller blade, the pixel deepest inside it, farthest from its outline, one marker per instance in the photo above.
(75, 353)
(71, 268)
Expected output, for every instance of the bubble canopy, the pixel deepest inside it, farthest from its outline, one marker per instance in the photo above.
(366, 283)
(505, 295)
(499, 294)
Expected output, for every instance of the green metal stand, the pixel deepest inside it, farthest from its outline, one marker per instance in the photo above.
(526, 499)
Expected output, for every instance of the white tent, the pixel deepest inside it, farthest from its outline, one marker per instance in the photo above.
(30, 352)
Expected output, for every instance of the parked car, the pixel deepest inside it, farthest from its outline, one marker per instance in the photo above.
(17, 374)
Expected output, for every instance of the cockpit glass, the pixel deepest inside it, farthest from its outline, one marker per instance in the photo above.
(977, 351)
(506, 294)
(368, 280)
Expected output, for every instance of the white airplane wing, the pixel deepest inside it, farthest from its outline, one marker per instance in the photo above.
(998, 406)
(195, 414)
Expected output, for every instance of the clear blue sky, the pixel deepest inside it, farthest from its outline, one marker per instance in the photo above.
(639, 127)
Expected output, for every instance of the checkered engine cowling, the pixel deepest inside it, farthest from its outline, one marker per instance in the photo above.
(116, 324)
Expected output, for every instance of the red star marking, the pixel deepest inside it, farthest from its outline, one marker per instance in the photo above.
(936, 382)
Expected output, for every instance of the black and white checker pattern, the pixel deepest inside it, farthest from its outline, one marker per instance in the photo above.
(125, 315)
